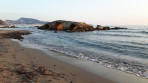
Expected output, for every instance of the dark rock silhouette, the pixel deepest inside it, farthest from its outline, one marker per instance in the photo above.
(116, 28)
(99, 27)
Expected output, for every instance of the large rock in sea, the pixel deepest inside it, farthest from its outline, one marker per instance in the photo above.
(99, 27)
(61, 25)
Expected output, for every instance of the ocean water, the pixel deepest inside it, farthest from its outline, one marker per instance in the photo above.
(125, 50)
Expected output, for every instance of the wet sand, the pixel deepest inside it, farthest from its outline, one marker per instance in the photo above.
(20, 64)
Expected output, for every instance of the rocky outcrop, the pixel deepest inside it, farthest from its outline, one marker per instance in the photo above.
(62, 25)
(2, 22)
(13, 34)
(117, 28)
(99, 27)
(70, 26)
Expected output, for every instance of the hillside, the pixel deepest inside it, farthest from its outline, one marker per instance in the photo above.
(25, 21)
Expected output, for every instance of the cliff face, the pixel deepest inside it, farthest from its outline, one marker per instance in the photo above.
(2, 22)
(67, 26)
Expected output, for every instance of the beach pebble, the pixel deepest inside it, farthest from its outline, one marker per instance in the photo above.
(146, 74)
(138, 75)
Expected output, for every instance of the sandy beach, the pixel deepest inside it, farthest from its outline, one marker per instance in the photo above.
(20, 64)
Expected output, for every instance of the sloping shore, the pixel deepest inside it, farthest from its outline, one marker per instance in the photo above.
(19, 64)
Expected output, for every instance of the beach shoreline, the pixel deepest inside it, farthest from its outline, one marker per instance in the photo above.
(94, 68)
(20, 64)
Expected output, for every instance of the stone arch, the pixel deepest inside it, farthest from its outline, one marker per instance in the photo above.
(59, 26)
(72, 26)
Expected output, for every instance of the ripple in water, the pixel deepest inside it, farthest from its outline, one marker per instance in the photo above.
(115, 48)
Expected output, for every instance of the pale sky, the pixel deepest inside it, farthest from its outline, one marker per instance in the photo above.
(103, 12)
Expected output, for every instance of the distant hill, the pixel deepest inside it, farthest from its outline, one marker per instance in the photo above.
(2, 22)
(25, 21)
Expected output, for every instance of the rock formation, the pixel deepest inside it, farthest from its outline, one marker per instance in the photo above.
(2, 22)
(116, 28)
(13, 34)
(62, 25)
(99, 27)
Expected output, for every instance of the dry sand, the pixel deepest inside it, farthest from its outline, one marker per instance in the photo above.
(20, 64)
